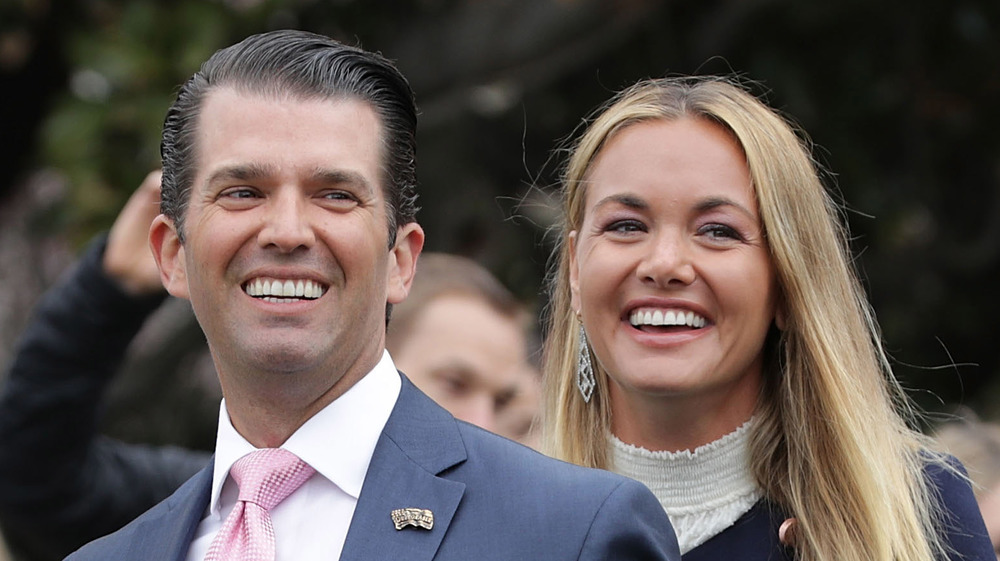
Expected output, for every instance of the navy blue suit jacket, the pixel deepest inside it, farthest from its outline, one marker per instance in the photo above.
(492, 499)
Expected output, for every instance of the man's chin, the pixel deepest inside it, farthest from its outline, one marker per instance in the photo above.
(282, 358)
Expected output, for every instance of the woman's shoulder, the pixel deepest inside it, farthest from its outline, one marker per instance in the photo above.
(755, 535)
(960, 520)
(949, 482)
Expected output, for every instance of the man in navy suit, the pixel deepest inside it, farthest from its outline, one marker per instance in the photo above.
(288, 200)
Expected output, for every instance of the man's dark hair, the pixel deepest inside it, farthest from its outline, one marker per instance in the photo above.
(297, 64)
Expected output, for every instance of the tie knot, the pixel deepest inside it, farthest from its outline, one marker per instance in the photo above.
(266, 477)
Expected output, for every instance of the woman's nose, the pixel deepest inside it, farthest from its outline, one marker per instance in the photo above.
(667, 260)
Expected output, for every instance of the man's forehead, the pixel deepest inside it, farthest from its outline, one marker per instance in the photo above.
(223, 95)
(220, 115)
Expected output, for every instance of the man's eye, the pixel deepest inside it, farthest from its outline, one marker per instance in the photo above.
(338, 196)
(239, 193)
(455, 385)
(501, 401)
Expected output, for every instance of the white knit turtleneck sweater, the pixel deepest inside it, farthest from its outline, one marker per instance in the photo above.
(703, 492)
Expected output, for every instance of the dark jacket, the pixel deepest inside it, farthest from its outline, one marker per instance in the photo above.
(61, 484)
(754, 537)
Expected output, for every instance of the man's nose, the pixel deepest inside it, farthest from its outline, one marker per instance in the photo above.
(286, 223)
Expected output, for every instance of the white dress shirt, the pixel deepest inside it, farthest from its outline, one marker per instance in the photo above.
(338, 442)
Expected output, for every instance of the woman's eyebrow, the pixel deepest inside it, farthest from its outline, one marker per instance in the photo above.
(711, 203)
(624, 199)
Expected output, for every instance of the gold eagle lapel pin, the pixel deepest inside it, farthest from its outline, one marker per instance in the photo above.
(416, 517)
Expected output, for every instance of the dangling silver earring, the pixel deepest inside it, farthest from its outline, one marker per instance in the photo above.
(585, 380)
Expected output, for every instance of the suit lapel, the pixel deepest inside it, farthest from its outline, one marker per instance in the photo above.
(167, 530)
(420, 440)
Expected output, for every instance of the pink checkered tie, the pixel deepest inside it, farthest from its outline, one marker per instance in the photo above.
(265, 478)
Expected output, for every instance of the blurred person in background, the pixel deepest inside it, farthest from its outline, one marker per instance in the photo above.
(522, 419)
(61, 483)
(460, 336)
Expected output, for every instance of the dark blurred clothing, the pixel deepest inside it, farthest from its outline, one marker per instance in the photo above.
(61, 484)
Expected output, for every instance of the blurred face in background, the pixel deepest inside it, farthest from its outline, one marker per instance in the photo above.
(517, 421)
(471, 359)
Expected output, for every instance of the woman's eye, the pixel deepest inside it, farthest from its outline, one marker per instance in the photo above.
(625, 226)
(720, 232)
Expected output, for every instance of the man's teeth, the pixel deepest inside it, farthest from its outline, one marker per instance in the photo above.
(670, 317)
(263, 288)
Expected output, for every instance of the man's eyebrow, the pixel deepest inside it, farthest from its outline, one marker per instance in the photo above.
(324, 176)
(256, 171)
(241, 172)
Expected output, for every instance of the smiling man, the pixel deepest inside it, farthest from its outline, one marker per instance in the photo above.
(288, 221)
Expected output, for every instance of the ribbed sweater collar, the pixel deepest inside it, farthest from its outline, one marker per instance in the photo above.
(703, 491)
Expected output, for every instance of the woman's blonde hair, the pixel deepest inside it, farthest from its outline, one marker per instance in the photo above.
(830, 444)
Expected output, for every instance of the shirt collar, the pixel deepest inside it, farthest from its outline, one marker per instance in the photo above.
(338, 441)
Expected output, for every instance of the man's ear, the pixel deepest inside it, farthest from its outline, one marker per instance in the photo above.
(403, 261)
(169, 254)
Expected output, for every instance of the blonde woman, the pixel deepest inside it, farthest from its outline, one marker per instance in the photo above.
(709, 338)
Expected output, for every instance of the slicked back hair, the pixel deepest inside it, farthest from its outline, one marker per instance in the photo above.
(297, 65)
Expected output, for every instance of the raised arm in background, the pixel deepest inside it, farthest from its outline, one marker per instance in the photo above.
(61, 483)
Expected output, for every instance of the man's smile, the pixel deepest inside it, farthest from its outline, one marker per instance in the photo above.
(283, 290)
